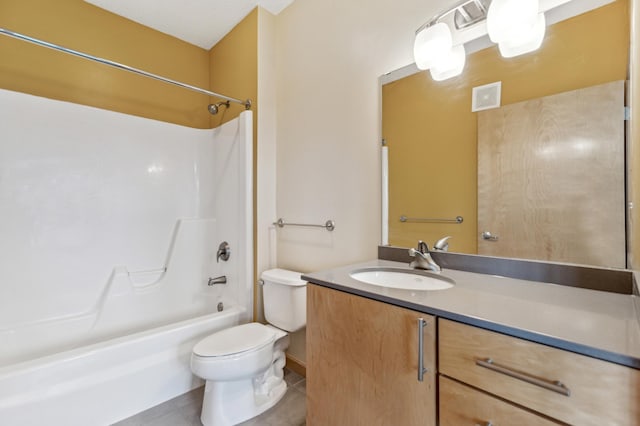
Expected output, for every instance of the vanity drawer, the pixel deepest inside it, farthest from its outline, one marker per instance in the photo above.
(569, 387)
(461, 405)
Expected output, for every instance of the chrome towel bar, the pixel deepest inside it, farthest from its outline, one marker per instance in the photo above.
(329, 225)
(404, 218)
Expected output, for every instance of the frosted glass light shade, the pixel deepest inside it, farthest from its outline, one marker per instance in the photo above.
(516, 26)
(525, 43)
(432, 44)
(507, 18)
(450, 65)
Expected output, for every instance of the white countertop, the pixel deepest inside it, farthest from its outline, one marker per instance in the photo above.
(595, 323)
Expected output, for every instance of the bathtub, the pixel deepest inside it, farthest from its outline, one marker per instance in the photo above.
(127, 352)
(109, 381)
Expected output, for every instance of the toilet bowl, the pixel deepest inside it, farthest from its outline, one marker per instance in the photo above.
(243, 365)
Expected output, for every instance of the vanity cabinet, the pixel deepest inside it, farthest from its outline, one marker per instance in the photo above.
(562, 385)
(362, 362)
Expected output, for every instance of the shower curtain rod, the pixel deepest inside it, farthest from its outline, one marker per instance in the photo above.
(246, 103)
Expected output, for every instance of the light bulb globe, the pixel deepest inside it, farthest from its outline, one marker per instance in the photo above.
(431, 44)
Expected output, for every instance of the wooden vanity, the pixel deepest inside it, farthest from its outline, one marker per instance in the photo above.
(363, 359)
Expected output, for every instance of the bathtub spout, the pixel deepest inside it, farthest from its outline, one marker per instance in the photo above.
(217, 280)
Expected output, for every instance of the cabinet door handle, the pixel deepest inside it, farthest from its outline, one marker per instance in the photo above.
(551, 385)
(488, 236)
(421, 370)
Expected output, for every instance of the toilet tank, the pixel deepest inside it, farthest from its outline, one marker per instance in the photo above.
(285, 299)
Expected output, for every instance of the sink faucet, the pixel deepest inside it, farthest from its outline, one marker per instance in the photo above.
(422, 258)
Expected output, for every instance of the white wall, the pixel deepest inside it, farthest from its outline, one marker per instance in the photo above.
(266, 255)
(330, 55)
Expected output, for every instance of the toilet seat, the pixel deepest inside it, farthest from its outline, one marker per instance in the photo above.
(235, 340)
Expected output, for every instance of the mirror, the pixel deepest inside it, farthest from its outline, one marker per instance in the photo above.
(432, 135)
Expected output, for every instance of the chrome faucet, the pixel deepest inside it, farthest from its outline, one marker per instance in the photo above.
(442, 244)
(217, 280)
(422, 258)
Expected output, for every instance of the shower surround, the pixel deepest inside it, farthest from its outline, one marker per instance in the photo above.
(110, 225)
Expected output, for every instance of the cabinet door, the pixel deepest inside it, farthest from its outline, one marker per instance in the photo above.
(461, 405)
(362, 362)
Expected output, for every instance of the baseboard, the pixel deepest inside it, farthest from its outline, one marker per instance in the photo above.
(296, 365)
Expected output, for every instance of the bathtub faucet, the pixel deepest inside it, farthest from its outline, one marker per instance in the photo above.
(217, 280)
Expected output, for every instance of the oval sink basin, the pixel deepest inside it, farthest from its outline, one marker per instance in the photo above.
(402, 279)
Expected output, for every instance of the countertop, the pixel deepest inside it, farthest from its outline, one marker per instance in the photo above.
(595, 323)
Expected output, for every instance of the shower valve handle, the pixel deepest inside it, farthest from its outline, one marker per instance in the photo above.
(224, 251)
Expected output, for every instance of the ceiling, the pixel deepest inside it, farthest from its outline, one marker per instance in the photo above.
(199, 22)
(205, 22)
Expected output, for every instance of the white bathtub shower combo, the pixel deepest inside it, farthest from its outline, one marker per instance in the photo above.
(110, 225)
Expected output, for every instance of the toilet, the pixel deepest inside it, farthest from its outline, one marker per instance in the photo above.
(243, 365)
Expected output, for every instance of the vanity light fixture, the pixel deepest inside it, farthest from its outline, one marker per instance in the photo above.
(449, 65)
(432, 43)
(434, 50)
(517, 26)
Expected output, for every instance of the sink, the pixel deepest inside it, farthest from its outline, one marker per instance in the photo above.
(405, 279)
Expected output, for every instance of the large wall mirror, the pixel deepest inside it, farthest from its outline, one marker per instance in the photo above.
(540, 177)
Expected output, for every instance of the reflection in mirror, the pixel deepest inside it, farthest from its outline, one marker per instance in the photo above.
(433, 148)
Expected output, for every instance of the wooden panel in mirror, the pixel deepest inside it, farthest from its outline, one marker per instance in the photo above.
(551, 178)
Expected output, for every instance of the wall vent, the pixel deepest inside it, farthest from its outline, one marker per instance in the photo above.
(486, 97)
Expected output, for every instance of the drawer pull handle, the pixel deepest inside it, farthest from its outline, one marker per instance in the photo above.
(485, 424)
(421, 368)
(554, 386)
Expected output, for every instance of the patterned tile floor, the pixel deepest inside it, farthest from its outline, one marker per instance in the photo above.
(184, 410)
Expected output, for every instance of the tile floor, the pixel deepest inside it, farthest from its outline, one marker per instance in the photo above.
(184, 410)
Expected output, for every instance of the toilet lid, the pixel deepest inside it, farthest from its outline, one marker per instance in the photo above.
(240, 338)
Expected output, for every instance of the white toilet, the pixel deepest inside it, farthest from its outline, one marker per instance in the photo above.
(243, 365)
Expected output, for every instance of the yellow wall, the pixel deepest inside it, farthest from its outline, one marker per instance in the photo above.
(431, 131)
(80, 26)
(233, 66)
